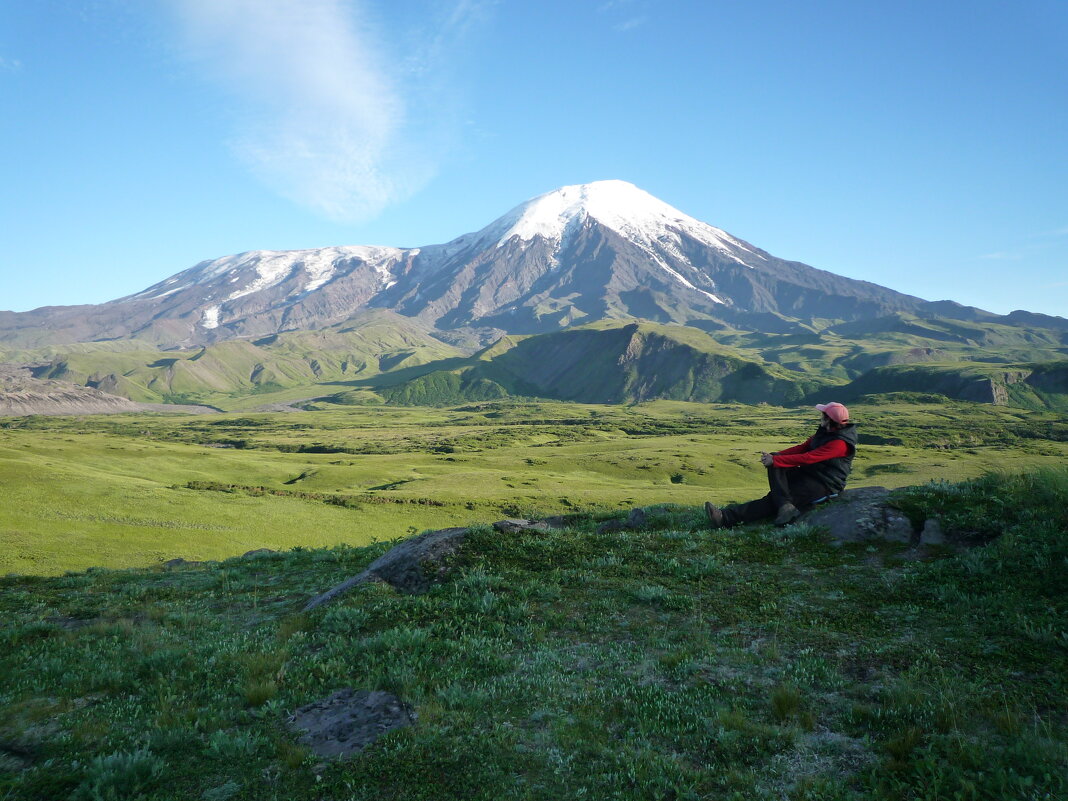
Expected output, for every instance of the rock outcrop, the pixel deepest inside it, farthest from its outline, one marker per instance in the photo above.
(411, 567)
(415, 565)
(860, 515)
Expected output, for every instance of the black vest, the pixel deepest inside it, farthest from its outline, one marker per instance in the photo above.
(832, 473)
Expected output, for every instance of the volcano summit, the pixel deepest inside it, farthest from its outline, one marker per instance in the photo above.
(604, 250)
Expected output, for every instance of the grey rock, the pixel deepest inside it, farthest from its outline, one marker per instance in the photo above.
(349, 720)
(860, 515)
(516, 526)
(257, 552)
(932, 533)
(635, 520)
(172, 564)
(411, 567)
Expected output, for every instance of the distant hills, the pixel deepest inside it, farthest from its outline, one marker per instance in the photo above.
(381, 357)
(376, 342)
(598, 293)
(609, 362)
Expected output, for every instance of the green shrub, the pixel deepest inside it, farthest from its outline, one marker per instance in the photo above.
(983, 508)
(118, 776)
(785, 702)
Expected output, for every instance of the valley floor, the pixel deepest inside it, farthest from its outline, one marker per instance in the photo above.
(137, 490)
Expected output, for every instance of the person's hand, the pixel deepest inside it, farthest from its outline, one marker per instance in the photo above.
(767, 459)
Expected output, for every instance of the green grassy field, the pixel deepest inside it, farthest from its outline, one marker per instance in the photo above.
(663, 663)
(136, 490)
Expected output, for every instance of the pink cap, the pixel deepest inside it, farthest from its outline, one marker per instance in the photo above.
(835, 411)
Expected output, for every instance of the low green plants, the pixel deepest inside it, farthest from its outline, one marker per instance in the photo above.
(119, 776)
(785, 702)
(231, 745)
(658, 661)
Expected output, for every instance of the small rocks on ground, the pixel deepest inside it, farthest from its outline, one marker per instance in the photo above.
(635, 520)
(173, 564)
(516, 526)
(349, 720)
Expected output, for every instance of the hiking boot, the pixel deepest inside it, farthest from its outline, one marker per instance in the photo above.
(788, 513)
(715, 515)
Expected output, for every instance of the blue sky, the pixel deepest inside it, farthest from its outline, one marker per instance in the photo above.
(918, 145)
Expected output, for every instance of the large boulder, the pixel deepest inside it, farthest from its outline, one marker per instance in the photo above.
(411, 567)
(860, 515)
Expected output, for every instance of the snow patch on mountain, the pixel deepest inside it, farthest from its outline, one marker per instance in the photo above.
(619, 205)
(256, 270)
(271, 268)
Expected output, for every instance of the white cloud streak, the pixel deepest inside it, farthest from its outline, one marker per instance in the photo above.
(10, 64)
(630, 10)
(631, 24)
(1003, 255)
(321, 118)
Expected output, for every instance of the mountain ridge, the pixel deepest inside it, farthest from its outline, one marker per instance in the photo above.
(574, 255)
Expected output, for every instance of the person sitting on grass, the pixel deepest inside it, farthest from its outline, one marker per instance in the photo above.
(799, 476)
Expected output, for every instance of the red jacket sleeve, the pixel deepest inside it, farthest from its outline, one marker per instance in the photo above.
(802, 448)
(834, 449)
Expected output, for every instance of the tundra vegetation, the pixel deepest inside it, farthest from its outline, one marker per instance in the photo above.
(662, 662)
(136, 490)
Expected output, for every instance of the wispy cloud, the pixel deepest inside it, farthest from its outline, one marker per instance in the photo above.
(630, 10)
(631, 24)
(1034, 245)
(322, 115)
(10, 64)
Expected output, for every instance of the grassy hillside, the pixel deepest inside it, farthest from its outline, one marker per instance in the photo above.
(1030, 386)
(617, 362)
(382, 356)
(135, 490)
(849, 349)
(665, 663)
(609, 362)
(228, 373)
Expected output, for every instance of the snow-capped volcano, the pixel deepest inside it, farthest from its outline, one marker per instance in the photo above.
(579, 253)
(618, 205)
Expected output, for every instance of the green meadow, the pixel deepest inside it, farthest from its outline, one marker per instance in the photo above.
(137, 490)
(665, 663)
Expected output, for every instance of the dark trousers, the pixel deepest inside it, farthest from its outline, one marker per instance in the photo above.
(788, 485)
